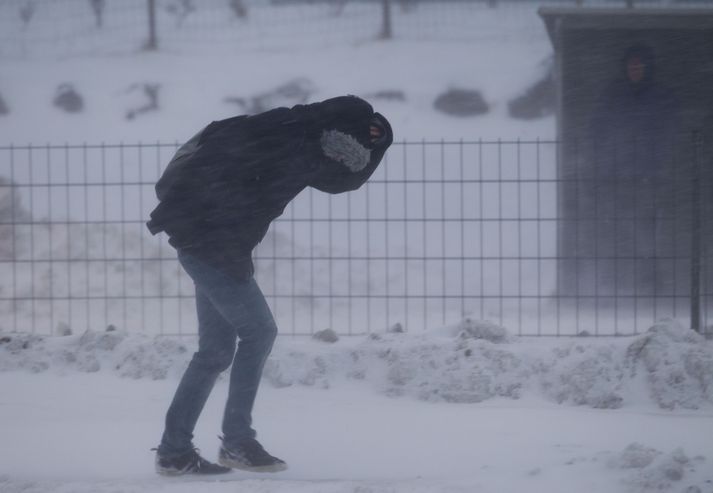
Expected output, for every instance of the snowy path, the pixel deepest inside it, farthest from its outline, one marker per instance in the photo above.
(92, 433)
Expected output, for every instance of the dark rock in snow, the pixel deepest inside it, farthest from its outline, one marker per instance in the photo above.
(461, 102)
(68, 99)
(538, 100)
(296, 91)
(388, 95)
(151, 100)
(326, 335)
(397, 328)
(238, 8)
(242, 102)
(63, 329)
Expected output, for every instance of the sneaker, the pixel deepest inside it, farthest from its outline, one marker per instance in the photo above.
(249, 455)
(189, 463)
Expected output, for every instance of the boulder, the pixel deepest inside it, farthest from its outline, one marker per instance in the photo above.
(461, 102)
(296, 91)
(388, 95)
(326, 335)
(150, 100)
(538, 100)
(68, 99)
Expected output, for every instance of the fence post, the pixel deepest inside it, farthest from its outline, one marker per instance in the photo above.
(151, 42)
(386, 31)
(696, 236)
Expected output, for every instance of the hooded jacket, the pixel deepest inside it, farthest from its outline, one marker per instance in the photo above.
(634, 124)
(223, 188)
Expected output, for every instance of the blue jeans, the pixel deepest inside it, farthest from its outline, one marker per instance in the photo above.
(228, 309)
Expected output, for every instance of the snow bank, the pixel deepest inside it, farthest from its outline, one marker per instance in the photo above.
(677, 365)
(668, 367)
(132, 356)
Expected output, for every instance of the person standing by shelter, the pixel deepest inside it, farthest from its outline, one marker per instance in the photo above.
(218, 197)
(633, 137)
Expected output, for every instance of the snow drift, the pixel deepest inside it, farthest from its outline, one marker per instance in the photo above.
(668, 367)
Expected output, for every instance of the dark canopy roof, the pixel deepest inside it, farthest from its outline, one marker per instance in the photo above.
(579, 18)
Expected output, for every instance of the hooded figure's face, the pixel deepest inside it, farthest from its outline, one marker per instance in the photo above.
(638, 66)
(635, 69)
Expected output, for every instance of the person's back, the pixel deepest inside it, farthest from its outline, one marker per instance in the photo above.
(227, 184)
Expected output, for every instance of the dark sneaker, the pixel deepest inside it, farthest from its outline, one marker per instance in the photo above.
(249, 455)
(188, 463)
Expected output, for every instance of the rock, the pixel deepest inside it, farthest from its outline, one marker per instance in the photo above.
(63, 329)
(461, 102)
(296, 91)
(397, 328)
(326, 335)
(68, 99)
(242, 102)
(539, 100)
(238, 7)
(388, 95)
(150, 91)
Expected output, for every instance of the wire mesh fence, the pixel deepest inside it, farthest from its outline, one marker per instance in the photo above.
(30, 28)
(442, 231)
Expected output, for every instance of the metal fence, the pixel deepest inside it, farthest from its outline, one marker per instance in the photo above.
(442, 231)
(30, 28)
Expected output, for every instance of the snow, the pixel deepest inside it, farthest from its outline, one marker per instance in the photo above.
(499, 52)
(466, 407)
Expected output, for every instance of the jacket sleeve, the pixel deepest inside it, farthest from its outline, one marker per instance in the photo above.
(334, 177)
(347, 165)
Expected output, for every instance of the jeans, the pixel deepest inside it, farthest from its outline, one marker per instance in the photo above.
(228, 309)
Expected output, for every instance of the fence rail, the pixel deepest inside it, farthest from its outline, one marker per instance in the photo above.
(442, 231)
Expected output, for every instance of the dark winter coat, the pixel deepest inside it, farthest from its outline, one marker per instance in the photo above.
(224, 187)
(634, 125)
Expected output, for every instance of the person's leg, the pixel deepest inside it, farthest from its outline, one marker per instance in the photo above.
(257, 334)
(241, 305)
(216, 349)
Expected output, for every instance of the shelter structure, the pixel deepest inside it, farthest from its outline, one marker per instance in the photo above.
(634, 162)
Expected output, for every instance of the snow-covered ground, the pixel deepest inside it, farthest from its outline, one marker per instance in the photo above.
(464, 408)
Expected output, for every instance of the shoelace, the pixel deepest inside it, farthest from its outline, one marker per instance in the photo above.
(197, 461)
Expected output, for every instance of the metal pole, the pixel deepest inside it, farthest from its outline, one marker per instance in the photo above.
(386, 31)
(151, 42)
(696, 234)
